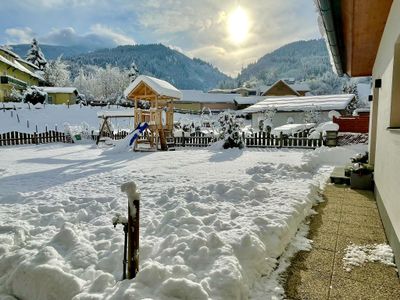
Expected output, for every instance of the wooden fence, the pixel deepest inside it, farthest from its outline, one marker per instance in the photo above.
(196, 140)
(255, 140)
(19, 138)
(267, 140)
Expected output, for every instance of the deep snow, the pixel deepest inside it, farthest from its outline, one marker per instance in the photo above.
(213, 223)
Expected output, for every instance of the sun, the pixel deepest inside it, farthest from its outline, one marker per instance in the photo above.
(238, 25)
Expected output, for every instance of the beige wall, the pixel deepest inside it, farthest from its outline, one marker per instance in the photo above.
(387, 153)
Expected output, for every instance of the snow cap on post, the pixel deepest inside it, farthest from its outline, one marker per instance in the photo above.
(133, 194)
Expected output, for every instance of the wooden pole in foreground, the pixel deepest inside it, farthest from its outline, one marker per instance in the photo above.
(133, 227)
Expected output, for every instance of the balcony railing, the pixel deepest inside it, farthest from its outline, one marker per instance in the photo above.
(14, 81)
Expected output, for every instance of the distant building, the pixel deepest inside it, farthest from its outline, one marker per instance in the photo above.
(243, 91)
(16, 73)
(285, 87)
(195, 100)
(61, 95)
(295, 108)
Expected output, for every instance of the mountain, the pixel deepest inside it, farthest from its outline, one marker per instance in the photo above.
(302, 60)
(51, 51)
(155, 60)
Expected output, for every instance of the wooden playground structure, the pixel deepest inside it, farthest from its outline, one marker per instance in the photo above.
(160, 116)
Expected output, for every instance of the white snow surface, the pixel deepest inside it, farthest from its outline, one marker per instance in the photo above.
(162, 87)
(323, 102)
(358, 255)
(52, 116)
(213, 223)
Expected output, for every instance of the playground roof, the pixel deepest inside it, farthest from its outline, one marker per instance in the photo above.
(146, 87)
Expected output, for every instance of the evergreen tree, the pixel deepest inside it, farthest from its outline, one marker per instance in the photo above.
(133, 72)
(36, 56)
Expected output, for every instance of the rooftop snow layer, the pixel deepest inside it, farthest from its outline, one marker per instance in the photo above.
(323, 102)
(248, 100)
(200, 96)
(17, 65)
(161, 87)
(57, 89)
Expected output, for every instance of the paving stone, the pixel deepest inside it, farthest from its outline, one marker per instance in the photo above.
(344, 288)
(307, 285)
(361, 220)
(347, 216)
(369, 273)
(373, 234)
(320, 260)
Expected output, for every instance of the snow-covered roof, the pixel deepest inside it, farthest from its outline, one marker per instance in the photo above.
(28, 63)
(159, 86)
(248, 100)
(17, 65)
(59, 90)
(201, 97)
(323, 102)
(297, 86)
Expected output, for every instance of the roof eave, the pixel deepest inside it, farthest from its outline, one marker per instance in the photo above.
(326, 13)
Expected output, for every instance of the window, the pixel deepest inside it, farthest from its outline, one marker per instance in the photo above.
(395, 101)
(50, 99)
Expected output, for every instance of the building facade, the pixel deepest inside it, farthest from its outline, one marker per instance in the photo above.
(15, 73)
(364, 40)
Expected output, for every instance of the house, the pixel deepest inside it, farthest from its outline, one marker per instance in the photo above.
(243, 91)
(285, 87)
(16, 73)
(295, 109)
(364, 40)
(195, 100)
(61, 95)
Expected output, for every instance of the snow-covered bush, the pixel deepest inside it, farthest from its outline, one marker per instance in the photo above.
(231, 131)
(312, 114)
(15, 96)
(268, 117)
(34, 95)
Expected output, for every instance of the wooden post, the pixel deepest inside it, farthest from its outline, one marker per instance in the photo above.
(133, 227)
(280, 140)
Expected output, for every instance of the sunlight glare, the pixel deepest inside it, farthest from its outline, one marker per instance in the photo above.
(238, 25)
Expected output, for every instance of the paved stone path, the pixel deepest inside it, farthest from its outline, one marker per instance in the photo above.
(347, 216)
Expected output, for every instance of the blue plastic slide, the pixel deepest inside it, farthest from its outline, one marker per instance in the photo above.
(137, 132)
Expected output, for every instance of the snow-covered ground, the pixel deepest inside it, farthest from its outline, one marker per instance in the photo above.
(213, 223)
(55, 116)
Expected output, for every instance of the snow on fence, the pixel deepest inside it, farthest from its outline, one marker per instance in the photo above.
(255, 140)
(197, 140)
(267, 140)
(19, 138)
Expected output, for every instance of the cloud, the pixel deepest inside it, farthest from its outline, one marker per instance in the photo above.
(200, 27)
(197, 28)
(19, 35)
(117, 37)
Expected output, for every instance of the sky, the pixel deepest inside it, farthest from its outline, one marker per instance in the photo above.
(197, 28)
